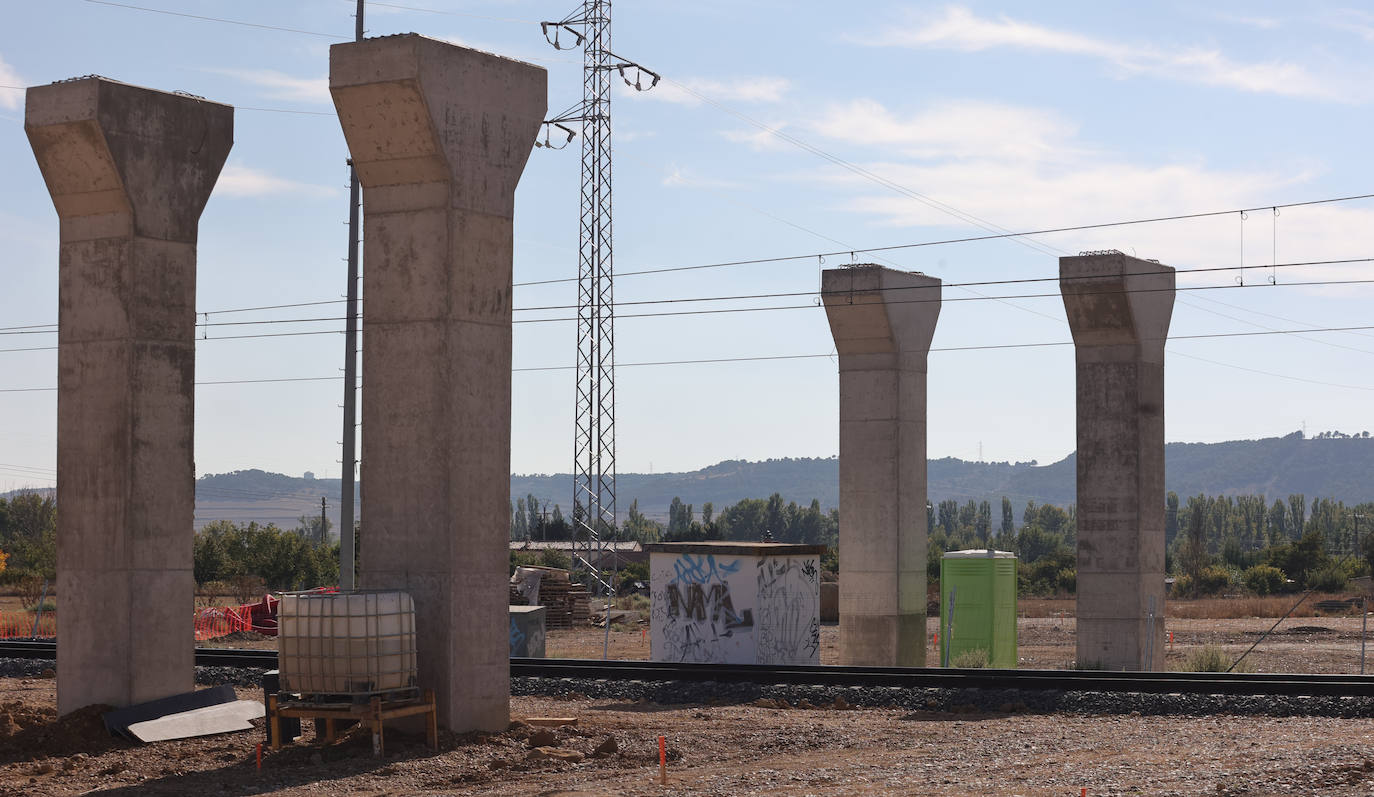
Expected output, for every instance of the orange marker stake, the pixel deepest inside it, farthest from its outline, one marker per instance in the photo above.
(663, 760)
(259, 756)
(643, 635)
(1171, 640)
(937, 640)
(1083, 792)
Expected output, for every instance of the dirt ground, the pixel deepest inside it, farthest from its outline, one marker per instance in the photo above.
(754, 749)
(712, 750)
(1300, 644)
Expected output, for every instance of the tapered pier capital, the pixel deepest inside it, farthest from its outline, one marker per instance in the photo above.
(1115, 300)
(417, 110)
(876, 310)
(107, 149)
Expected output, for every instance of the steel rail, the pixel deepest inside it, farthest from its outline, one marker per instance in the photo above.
(1285, 684)
(1256, 684)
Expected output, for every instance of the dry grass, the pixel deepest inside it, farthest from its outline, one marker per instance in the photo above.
(1198, 609)
(1234, 608)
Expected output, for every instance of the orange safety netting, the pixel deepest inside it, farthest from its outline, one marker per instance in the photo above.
(19, 625)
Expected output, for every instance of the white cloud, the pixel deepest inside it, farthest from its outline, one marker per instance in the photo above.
(240, 181)
(1263, 23)
(962, 129)
(957, 28)
(757, 138)
(680, 177)
(1025, 169)
(10, 99)
(694, 91)
(282, 86)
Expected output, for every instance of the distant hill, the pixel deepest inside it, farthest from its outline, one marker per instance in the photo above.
(1328, 467)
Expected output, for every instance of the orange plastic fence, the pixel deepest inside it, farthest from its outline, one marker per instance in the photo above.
(19, 625)
(218, 621)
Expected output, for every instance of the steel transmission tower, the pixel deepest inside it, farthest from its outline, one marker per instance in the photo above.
(594, 413)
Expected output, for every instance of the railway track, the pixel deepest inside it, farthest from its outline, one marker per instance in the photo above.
(1255, 684)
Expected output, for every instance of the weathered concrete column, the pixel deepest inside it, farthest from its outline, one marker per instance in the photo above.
(1119, 308)
(130, 170)
(440, 135)
(882, 321)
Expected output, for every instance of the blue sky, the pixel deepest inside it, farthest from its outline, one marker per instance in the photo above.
(1026, 116)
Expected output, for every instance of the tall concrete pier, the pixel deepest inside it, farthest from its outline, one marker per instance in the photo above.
(1119, 309)
(439, 135)
(129, 170)
(882, 321)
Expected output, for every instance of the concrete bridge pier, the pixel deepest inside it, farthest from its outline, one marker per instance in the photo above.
(882, 321)
(129, 170)
(1119, 309)
(439, 135)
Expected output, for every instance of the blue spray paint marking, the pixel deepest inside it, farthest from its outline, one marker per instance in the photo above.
(702, 569)
(517, 638)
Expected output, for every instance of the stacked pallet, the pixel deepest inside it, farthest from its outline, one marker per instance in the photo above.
(566, 602)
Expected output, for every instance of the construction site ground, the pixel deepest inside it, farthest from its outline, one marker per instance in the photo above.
(711, 750)
(754, 748)
(1300, 644)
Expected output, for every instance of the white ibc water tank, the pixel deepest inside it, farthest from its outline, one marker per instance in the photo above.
(346, 643)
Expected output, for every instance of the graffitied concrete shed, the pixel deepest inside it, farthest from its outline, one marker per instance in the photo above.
(735, 602)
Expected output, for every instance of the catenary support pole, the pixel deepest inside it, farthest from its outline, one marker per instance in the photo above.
(347, 556)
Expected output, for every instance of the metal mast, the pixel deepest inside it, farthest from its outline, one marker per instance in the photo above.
(347, 556)
(594, 413)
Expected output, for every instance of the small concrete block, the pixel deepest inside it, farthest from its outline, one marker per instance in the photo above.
(550, 722)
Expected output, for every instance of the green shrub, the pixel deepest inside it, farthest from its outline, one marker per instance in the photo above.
(551, 557)
(1331, 578)
(1211, 658)
(634, 603)
(975, 659)
(1263, 579)
(1213, 580)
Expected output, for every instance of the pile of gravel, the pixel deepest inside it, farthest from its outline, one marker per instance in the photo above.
(205, 676)
(24, 668)
(234, 676)
(942, 700)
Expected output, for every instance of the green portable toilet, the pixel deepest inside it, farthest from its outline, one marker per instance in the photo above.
(981, 587)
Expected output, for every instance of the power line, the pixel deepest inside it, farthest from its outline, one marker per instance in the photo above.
(970, 239)
(1200, 270)
(284, 110)
(48, 329)
(924, 199)
(217, 19)
(731, 310)
(726, 310)
(449, 13)
(780, 357)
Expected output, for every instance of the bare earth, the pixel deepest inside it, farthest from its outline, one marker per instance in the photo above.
(729, 750)
(1300, 644)
(756, 749)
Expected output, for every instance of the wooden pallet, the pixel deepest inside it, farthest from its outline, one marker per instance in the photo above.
(375, 713)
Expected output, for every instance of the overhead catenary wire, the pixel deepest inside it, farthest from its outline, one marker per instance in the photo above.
(52, 328)
(732, 310)
(969, 239)
(221, 20)
(779, 357)
(468, 14)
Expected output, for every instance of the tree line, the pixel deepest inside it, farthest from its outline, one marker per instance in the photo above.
(1214, 544)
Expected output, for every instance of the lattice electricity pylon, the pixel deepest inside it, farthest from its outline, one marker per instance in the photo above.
(594, 412)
